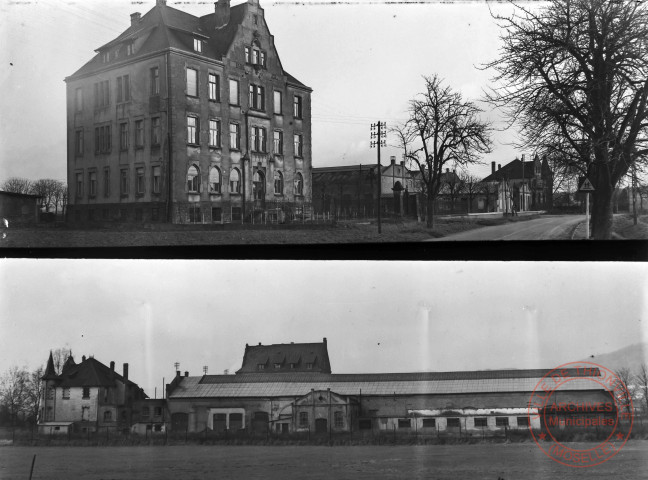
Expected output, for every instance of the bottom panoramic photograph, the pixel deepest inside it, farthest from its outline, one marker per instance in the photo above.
(161, 370)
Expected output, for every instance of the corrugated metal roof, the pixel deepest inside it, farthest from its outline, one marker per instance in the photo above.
(379, 384)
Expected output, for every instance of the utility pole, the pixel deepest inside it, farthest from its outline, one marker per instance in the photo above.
(378, 134)
(634, 192)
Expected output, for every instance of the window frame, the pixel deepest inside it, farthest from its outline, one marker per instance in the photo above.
(192, 87)
(456, 420)
(124, 184)
(198, 45)
(237, 190)
(278, 182)
(78, 100)
(123, 136)
(156, 179)
(256, 97)
(78, 142)
(278, 93)
(85, 393)
(213, 87)
(297, 107)
(154, 85)
(193, 183)
(299, 184)
(139, 133)
(140, 181)
(501, 421)
(92, 183)
(79, 184)
(298, 141)
(215, 133)
(155, 131)
(219, 185)
(234, 87)
(303, 419)
(483, 422)
(123, 89)
(277, 142)
(235, 135)
(193, 131)
(259, 139)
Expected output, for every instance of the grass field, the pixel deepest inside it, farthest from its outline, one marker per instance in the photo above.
(433, 462)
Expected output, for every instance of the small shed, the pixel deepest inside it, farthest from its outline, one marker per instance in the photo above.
(55, 428)
(19, 208)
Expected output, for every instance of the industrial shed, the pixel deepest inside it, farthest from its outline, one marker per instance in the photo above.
(318, 401)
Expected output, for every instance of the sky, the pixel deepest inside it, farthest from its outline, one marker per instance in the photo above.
(378, 317)
(365, 60)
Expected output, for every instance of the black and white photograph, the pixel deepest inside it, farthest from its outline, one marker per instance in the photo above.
(183, 123)
(160, 370)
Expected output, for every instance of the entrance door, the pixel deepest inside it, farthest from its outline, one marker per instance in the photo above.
(260, 422)
(321, 425)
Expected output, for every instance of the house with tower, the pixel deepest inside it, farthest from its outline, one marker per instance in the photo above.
(188, 119)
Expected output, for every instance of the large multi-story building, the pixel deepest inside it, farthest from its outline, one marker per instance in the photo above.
(188, 119)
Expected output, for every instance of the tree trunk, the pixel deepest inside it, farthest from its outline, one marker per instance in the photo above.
(429, 215)
(602, 213)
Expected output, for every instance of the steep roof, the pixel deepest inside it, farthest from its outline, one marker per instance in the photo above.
(295, 384)
(165, 27)
(293, 357)
(50, 373)
(89, 373)
(512, 170)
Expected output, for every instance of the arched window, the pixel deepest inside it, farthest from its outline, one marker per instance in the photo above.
(299, 184)
(193, 179)
(214, 180)
(278, 183)
(259, 185)
(235, 181)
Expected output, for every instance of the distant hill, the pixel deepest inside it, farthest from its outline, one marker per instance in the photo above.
(631, 357)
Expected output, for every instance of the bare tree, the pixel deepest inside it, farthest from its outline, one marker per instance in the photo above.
(34, 393)
(47, 189)
(472, 187)
(626, 392)
(13, 392)
(642, 385)
(442, 129)
(451, 185)
(60, 356)
(60, 193)
(574, 78)
(17, 185)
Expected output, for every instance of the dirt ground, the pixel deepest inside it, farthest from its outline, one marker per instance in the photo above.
(452, 462)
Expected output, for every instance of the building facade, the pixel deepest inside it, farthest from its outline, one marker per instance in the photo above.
(19, 208)
(272, 392)
(188, 119)
(87, 397)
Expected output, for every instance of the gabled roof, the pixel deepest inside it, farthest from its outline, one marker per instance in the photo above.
(292, 357)
(164, 27)
(512, 171)
(89, 373)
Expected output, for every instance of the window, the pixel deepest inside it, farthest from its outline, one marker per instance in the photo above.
(278, 142)
(92, 184)
(192, 82)
(66, 393)
(155, 81)
(193, 179)
(101, 94)
(78, 100)
(123, 136)
(235, 421)
(155, 131)
(248, 58)
(198, 45)
(139, 181)
(235, 136)
(404, 423)
(278, 102)
(523, 421)
(214, 180)
(130, 49)
(258, 139)
(123, 89)
(258, 185)
(453, 423)
(146, 412)
(299, 184)
(481, 422)
(255, 56)
(297, 106)
(303, 419)
(102, 139)
(192, 130)
(157, 172)
(429, 422)
(263, 59)
(79, 185)
(214, 133)
(278, 183)
(157, 411)
(105, 57)
(106, 182)
(235, 183)
(214, 87)
(123, 182)
(217, 214)
(139, 134)
(261, 366)
(51, 393)
(277, 366)
(86, 392)
(501, 421)
(234, 98)
(299, 145)
(257, 97)
(107, 416)
(338, 420)
(78, 142)
(309, 366)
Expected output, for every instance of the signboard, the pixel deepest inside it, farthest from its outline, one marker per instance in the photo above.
(584, 185)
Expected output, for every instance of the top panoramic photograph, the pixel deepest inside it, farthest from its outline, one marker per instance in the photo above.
(169, 123)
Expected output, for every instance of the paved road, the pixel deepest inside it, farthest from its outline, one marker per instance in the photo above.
(548, 227)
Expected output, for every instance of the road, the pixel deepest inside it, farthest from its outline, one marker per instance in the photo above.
(548, 227)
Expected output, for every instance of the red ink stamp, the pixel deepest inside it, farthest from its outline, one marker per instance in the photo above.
(580, 398)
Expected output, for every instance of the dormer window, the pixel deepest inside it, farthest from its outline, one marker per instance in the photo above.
(198, 45)
(309, 366)
(105, 57)
(130, 49)
(260, 366)
(277, 366)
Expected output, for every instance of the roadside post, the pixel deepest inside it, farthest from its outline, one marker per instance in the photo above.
(585, 186)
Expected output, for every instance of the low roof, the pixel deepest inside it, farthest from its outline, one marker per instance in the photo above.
(297, 384)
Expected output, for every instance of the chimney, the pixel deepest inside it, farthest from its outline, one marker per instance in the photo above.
(499, 166)
(222, 13)
(112, 366)
(125, 375)
(83, 358)
(135, 18)
(177, 373)
(186, 374)
(492, 167)
(393, 160)
(160, 3)
(324, 341)
(402, 163)
(447, 170)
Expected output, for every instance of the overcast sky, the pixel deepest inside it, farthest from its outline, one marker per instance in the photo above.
(377, 316)
(364, 60)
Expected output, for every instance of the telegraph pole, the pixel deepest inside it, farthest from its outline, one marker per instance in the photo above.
(378, 135)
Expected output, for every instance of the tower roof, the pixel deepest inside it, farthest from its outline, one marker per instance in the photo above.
(50, 373)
